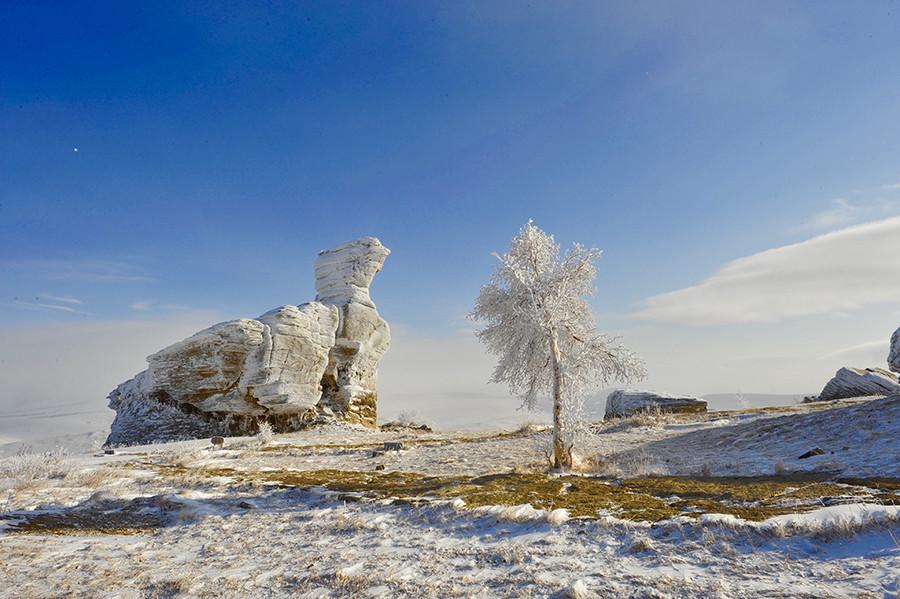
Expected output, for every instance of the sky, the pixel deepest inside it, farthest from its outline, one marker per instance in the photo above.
(168, 166)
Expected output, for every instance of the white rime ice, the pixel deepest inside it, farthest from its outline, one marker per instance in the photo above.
(539, 324)
(286, 367)
(343, 276)
(894, 355)
(859, 382)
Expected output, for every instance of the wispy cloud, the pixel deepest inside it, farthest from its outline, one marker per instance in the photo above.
(37, 305)
(878, 349)
(140, 306)
(62, 299)
(838, 272)
(860, 205)
(93, 271)
(840, 213)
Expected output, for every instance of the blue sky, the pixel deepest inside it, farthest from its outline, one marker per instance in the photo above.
(219, 148)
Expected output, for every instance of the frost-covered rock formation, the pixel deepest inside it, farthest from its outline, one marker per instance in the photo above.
(859, 382)
(621, 403)
(343, 276)
(289, 366)
(894, 354)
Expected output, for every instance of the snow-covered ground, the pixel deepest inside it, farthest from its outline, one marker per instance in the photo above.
(857, 438)
(189, 520)
(300, 543)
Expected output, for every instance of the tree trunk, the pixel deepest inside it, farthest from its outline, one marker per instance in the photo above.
(562, 455)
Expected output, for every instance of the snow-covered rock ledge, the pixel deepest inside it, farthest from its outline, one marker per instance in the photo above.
(290, 366)
(859, 382)
(622, 403)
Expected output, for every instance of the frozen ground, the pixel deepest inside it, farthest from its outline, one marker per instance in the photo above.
(188, 520)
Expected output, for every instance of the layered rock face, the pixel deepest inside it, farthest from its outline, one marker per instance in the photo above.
(894, 355)
(859, 382)
(292, 365)
(343, 276)
(621, 403)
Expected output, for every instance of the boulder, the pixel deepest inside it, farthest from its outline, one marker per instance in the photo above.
(205, 369)
(288, 377)
(859, 382)
(811, 453)
(621, 403)
(289, 366)
(894, 354)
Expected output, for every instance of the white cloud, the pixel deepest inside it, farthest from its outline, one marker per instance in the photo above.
(838, 272)
(862, 205)
(37, 305)
(63, 299)
(93, 271)
(870, 352)
(841, 213)
(140, 306)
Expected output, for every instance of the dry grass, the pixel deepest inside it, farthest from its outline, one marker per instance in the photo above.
(44, 479)
(650, 498)
(266, 434)
(651, 417)
(168, 589)
(96, 517)
(641, 545)
(91, 478)
(843, 526)
(183, 456)
(789, 409)
(423, 440)
(35, 466)
(630, 464)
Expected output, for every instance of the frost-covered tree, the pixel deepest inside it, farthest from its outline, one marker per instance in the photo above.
(539, 324)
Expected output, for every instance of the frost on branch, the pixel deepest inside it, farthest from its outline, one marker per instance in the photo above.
(538, 323)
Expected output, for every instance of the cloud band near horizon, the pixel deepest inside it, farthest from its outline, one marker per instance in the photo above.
(833, 273)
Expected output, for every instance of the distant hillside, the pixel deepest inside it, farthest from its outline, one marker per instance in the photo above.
(73, 443)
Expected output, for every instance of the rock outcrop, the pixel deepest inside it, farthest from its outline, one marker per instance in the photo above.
(859, 382)
(621, 403)
(894, 354)
(292, 365)
(343, 276)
